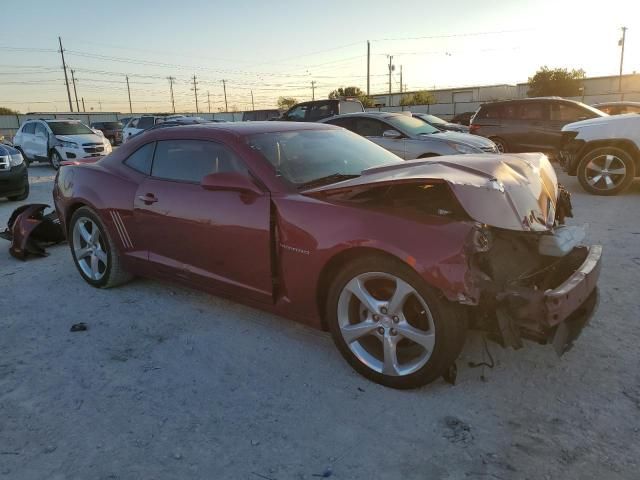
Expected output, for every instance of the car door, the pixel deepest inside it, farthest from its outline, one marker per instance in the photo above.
(130, 130)
(26, 138)
(374, 129)
(532, 135)
(216, 239)
(41, 141)
(321, 110)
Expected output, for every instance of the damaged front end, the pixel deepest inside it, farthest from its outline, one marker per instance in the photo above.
(529, 294)
(535, 278)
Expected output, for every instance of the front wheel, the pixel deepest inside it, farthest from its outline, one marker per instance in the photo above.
(606, 171)
(55, 159)
(94, 251)
(390, 326)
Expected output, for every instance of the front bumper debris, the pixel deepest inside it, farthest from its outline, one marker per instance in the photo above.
(555, 315)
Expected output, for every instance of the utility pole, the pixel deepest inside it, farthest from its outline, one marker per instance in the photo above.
(400, 80)
(195, 92)
(75, 92)
(209, 101)
(83, 109)
(100, 104)
(173, 103)
(129, 92)
(391, 68)
(368, 68)
(313, 90)
(224, 87)
(253, 106)
(66, 79)
(621, 43)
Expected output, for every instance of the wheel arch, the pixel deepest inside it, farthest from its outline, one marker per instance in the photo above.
(332, 268)
(622, 143)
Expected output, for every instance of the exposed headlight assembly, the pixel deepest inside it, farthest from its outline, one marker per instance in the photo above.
(482, 238)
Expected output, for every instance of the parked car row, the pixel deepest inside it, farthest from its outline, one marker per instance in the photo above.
(600, 144)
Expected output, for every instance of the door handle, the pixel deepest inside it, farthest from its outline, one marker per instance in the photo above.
(148, 199)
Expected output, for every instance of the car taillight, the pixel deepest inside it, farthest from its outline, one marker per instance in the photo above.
(473, 128)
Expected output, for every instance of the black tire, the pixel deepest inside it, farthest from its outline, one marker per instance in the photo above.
(55, 159)
(449, 323)
(502, 145)
(114, 273)
(595, 181)
(23, 196)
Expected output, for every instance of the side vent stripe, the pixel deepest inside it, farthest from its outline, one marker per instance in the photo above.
(122, 232)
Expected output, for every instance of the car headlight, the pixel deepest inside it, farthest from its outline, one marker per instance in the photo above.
(462, 148)
(16, 159)
(67, 144)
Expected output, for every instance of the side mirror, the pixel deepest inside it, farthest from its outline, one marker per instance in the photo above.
(391, 134)
(230, 181)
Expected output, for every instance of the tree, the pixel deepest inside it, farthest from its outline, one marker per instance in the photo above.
(555, 82)
(7, 111)
(285, 103)
(352, 92)
(423, 97)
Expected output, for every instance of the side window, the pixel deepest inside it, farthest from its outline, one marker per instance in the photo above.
(29, 127)
(490, 111)
(343, 122)
(298, 113)
(40, 130)
(370, 127)
(133, 123)
(568, 113)
(321, 111)
(532, 111)
(191, 160)
(141, 159)
(145, 122)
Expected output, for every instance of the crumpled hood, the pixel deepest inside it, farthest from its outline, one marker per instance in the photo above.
(511, 191)
(458, 137)
(80, 139)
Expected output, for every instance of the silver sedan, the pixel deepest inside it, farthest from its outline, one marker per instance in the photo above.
(409, 137)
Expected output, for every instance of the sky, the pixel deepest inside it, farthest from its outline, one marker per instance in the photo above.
(278, 48)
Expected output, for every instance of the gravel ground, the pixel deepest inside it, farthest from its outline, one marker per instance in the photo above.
(170, 383)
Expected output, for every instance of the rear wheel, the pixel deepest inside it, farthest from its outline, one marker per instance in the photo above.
(94, 251)
(390, 326)
(606, 171)
(500, 143)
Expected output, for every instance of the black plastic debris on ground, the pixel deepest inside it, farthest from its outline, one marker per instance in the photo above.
(29, 230)
(79, 327)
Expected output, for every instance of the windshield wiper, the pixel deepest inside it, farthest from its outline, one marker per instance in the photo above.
(333, 178)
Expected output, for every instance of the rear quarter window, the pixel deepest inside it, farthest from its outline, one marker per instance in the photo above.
(141, 159)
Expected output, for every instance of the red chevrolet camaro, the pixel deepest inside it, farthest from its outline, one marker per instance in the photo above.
(396, 259)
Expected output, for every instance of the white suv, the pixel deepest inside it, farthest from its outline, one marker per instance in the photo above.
(603, 152)
(57, 140)
(140, 124)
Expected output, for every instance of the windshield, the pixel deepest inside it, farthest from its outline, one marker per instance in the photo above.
(411, 126)
(69, 128)
(432, 119)
(304, 156)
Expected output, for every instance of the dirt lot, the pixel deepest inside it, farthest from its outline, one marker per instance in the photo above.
(170, 383)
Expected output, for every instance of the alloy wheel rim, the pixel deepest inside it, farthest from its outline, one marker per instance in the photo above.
(89, 249)
(605, 172)
(386, 324)
(499, 146)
